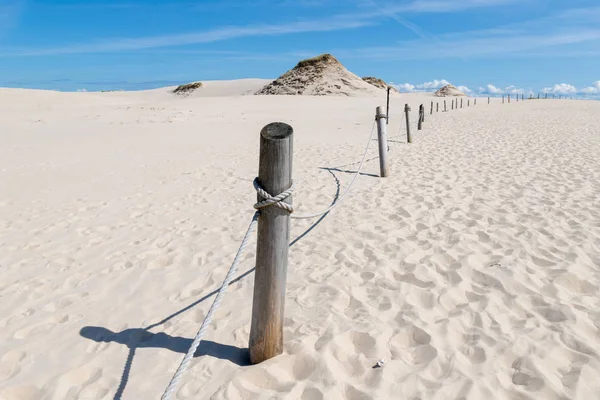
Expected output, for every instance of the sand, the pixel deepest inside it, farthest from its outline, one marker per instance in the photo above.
(473, 270)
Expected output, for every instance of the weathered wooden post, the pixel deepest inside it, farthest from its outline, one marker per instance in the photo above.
(509, 98)
(420, 122)
(437, 107)
(488, 99)
(453, 104)
(387, 108)
(431, 111)
(538, 96)
(422, 108)
(380, 117)
(468, 102)
(502, 99)
(522, 97)
(445, 109)
(517, 98)
(475, 101)
(275, 177)
(461, 102)
(407, 112)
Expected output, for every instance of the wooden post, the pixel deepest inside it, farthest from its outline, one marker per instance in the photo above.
(538, 96)
(468, 102)
(445, 109)
(461, 102)
(437, 107)
(522, 97)
(453, 104)
(431, 111)
(273, 240)
(387, 108)
(407, 112)
(382, 137)
(509, 98)
(517, 98)
(475, 102)
(488, 99)
(420, 122)
(502, 99)
(422, 108)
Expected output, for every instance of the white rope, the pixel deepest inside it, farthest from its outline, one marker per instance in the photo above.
(347, 189)
(273, 200)
(207, 320)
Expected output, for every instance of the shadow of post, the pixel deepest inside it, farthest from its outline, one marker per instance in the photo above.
(137, 338)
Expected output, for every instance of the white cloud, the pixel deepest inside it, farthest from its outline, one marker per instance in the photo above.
(464, 89)
(594, 89)
(82, 90)
(405, 87)
(434, 84)
(561, 88)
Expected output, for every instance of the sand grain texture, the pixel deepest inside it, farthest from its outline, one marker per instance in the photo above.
(473, 270)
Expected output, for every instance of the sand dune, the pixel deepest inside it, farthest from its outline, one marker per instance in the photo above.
(473, 270)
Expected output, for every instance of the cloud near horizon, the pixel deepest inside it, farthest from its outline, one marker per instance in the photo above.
(492, 90)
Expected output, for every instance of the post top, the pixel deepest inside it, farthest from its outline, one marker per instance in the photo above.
(276, 131)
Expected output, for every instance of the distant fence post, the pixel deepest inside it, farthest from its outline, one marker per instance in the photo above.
(422, 107)
(488, 99)
(387, 108)
(475, 101)
(407, 112)
(445, 109)
(380, 117)
(461, 101)
(468, 102)
(538, 96)
(421, 118)
(517, 98)
(437, 107)
(275, 177)
(502, 99)
(509, 98)
(431, 111)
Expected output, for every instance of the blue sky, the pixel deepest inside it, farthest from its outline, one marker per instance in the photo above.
(488, 46)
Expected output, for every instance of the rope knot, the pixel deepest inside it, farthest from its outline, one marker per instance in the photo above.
(276, 201)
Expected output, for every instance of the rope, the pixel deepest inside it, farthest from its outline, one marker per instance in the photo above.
(185, 363)
(347, 189)
(276, 201)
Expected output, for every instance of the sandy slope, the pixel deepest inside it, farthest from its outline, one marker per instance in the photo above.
(473, 270)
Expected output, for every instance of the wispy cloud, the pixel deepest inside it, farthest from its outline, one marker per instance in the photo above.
(357, 18)
(225, 33)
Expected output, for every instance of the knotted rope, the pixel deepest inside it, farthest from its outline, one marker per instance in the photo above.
(276, 201)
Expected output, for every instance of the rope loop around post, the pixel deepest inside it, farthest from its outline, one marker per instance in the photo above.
(379, 116)
(276, 201)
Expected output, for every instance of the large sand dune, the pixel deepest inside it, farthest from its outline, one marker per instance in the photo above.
(473, 270)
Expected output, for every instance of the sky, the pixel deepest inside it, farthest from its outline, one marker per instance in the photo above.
(487, 47)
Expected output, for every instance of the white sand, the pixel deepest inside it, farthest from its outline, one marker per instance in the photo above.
(473, 270)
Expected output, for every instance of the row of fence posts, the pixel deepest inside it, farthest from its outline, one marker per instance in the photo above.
(275, 176)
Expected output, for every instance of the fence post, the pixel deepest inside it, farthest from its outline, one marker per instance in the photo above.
(382, 137)
(275, 176)
(437, 107)
(422, 108)
(445, 109)
(517, 98)
(420, 122)
(431, 111)
(475, 102)
(387, 109)
(461, 102)
(502, 99)
(407, 112)
(509, 98)
(538, 96)
(488, 99)
(468, 102)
